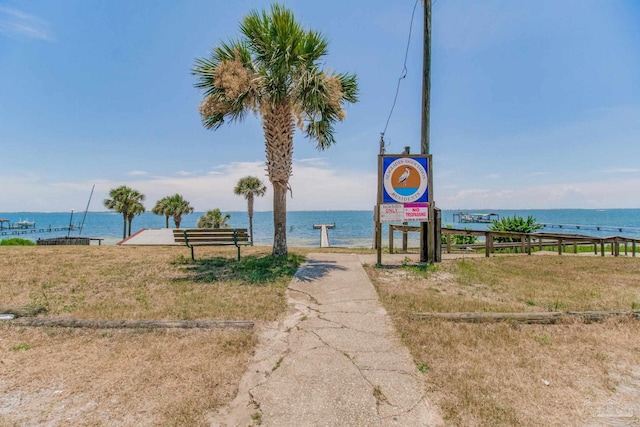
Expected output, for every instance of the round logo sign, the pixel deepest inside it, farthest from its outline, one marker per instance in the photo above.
(405, 180)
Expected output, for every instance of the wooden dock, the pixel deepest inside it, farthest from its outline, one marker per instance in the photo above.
(612, 228)
(324, 234)
(18, 231)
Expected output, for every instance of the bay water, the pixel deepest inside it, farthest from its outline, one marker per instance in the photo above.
(352, 228)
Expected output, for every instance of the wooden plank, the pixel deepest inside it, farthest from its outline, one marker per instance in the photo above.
(528, 317)
(130, 324)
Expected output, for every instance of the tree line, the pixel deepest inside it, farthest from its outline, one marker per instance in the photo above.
(128, 202)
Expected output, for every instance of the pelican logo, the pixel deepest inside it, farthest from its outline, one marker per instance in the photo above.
(405, 180)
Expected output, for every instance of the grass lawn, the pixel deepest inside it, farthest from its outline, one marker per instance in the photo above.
(60, 376)
(477, 374)
(510, 374)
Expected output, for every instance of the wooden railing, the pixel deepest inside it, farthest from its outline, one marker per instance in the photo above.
(526, 241)
(523, 241)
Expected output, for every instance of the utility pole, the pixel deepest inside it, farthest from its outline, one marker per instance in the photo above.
(427, 229)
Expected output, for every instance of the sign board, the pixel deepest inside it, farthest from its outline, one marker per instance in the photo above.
(416, 212)
(401, 212)
(405, 179)
(391, 212)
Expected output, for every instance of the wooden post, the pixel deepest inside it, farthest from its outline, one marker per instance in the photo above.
(633, 248)
(449, 243)
(404, 237)
(601, 247)
(559, 246)
(390, 238)
(427, 229)
(488, 243)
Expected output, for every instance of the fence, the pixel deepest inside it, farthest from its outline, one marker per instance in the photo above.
(523, 241)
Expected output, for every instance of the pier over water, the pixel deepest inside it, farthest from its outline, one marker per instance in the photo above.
(612, 228)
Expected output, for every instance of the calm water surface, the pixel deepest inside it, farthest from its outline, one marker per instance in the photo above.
(352, 228)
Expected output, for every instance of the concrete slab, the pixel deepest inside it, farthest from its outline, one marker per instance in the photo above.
(334, 360)
(151, 236)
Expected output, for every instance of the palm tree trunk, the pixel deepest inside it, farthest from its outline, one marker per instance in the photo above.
(130, 221)
(124, 230)
(166, 221)
(250, 212)
(278, 126)
(279, 220)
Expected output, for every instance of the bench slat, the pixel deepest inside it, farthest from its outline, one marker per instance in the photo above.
(211, 237)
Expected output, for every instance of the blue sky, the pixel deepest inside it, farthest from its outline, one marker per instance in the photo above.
(535, 104)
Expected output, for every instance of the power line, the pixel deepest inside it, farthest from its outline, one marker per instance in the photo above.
(403, 74)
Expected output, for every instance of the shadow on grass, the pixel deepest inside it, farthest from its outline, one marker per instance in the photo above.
(248, 270)
(313, 269)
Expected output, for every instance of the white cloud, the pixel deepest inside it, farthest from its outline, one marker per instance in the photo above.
(136, 173)
(621, 170)
(314, 188)
(16, 22)
(587, 195)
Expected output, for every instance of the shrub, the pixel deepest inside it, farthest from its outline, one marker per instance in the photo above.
(517, 224)
(459, 239)
(15, 241)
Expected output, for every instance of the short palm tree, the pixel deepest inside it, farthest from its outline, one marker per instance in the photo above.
(249, 187)
(161, 209)
(274, 70)
(124, 200)
(213, 219)
(176, 206)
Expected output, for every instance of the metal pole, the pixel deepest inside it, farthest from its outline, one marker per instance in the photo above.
(426, 228)
(70, 222)
(87, 209)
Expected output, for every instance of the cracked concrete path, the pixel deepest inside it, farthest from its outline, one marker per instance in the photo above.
(334, 360)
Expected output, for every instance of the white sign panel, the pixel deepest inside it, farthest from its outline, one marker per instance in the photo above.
(401, 212)
(416, 212)
(391, 212)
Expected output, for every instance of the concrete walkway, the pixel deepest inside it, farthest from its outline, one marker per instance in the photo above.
(334, 360)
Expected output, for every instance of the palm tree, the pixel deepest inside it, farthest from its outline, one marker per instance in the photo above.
(136, 208)
(161, 209)
(249, 187)
(123, 200)
(274, 71)
(176, 206)
(213, 219)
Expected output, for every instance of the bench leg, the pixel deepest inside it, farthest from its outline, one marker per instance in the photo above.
(238, 252)
(192, 256)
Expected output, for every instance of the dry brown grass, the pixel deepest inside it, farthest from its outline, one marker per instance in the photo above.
(532, 375)
(117, 377)
(51, 376)
(109, 282)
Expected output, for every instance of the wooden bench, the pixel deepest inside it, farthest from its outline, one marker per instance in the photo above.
(193, 237)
